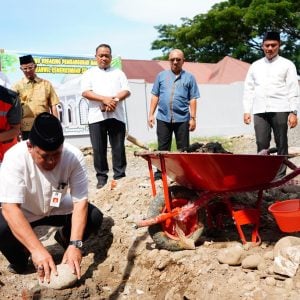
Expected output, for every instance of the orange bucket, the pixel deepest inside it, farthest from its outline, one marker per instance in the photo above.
(287, 214)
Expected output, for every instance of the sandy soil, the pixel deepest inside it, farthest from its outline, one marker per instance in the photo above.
(122, 262)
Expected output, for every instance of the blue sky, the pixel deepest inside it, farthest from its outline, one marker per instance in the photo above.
(77, 27)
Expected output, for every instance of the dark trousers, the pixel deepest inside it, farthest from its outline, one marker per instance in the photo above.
(164, 131)
(264, 123)
(115, 130)
(17, 254)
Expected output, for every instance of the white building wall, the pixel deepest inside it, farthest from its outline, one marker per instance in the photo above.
(219, 112)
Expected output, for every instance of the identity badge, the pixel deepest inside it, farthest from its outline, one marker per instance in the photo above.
(55, 199)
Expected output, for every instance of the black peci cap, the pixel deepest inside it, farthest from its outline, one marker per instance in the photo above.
(27, 59)
(46, 132)
(272, 35)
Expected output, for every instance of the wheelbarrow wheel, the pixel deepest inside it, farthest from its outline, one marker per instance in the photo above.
(165, 236)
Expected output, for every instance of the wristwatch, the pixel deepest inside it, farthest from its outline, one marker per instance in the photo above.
(294, 112)
(78, 244)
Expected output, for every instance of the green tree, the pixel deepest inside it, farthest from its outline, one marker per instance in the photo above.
(234, 28)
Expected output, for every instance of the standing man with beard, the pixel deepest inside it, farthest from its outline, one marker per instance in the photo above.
(37, 95)
(106, 88)
(271, 94)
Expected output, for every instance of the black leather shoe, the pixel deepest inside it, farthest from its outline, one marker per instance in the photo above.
(15, 269)
(100, 185)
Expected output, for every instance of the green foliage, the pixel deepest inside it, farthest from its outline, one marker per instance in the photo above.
(154, 146)
(234, 28)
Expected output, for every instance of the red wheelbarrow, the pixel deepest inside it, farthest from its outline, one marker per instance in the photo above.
(174, 218)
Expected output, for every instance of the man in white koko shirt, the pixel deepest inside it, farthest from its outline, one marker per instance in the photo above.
(271, 94)
(43, 181)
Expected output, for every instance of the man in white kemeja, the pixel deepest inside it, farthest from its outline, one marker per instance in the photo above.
(43, 181)
(271, 94)
(106, 88)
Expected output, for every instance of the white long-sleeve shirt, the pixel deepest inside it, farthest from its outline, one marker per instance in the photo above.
(271, 86)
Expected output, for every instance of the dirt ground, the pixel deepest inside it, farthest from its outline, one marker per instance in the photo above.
(122, 262)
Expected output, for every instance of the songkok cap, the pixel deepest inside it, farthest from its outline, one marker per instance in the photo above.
(27, 59)
(272, 35)
(46, 132)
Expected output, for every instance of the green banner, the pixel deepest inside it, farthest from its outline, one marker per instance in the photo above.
(64, 72)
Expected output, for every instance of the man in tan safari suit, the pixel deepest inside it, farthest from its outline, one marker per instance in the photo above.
(37, 95)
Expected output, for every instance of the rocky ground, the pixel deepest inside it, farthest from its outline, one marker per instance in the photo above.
(122, 262)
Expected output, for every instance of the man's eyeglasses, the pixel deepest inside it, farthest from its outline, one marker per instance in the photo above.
(49, 157)
(26, 69)
(104, 55)
(175, 59)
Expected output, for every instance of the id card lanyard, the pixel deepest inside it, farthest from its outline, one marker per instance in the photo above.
(57, 194)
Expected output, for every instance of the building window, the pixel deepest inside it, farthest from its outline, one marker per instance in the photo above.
(60, 110)
(69, 115)
(83, 111)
